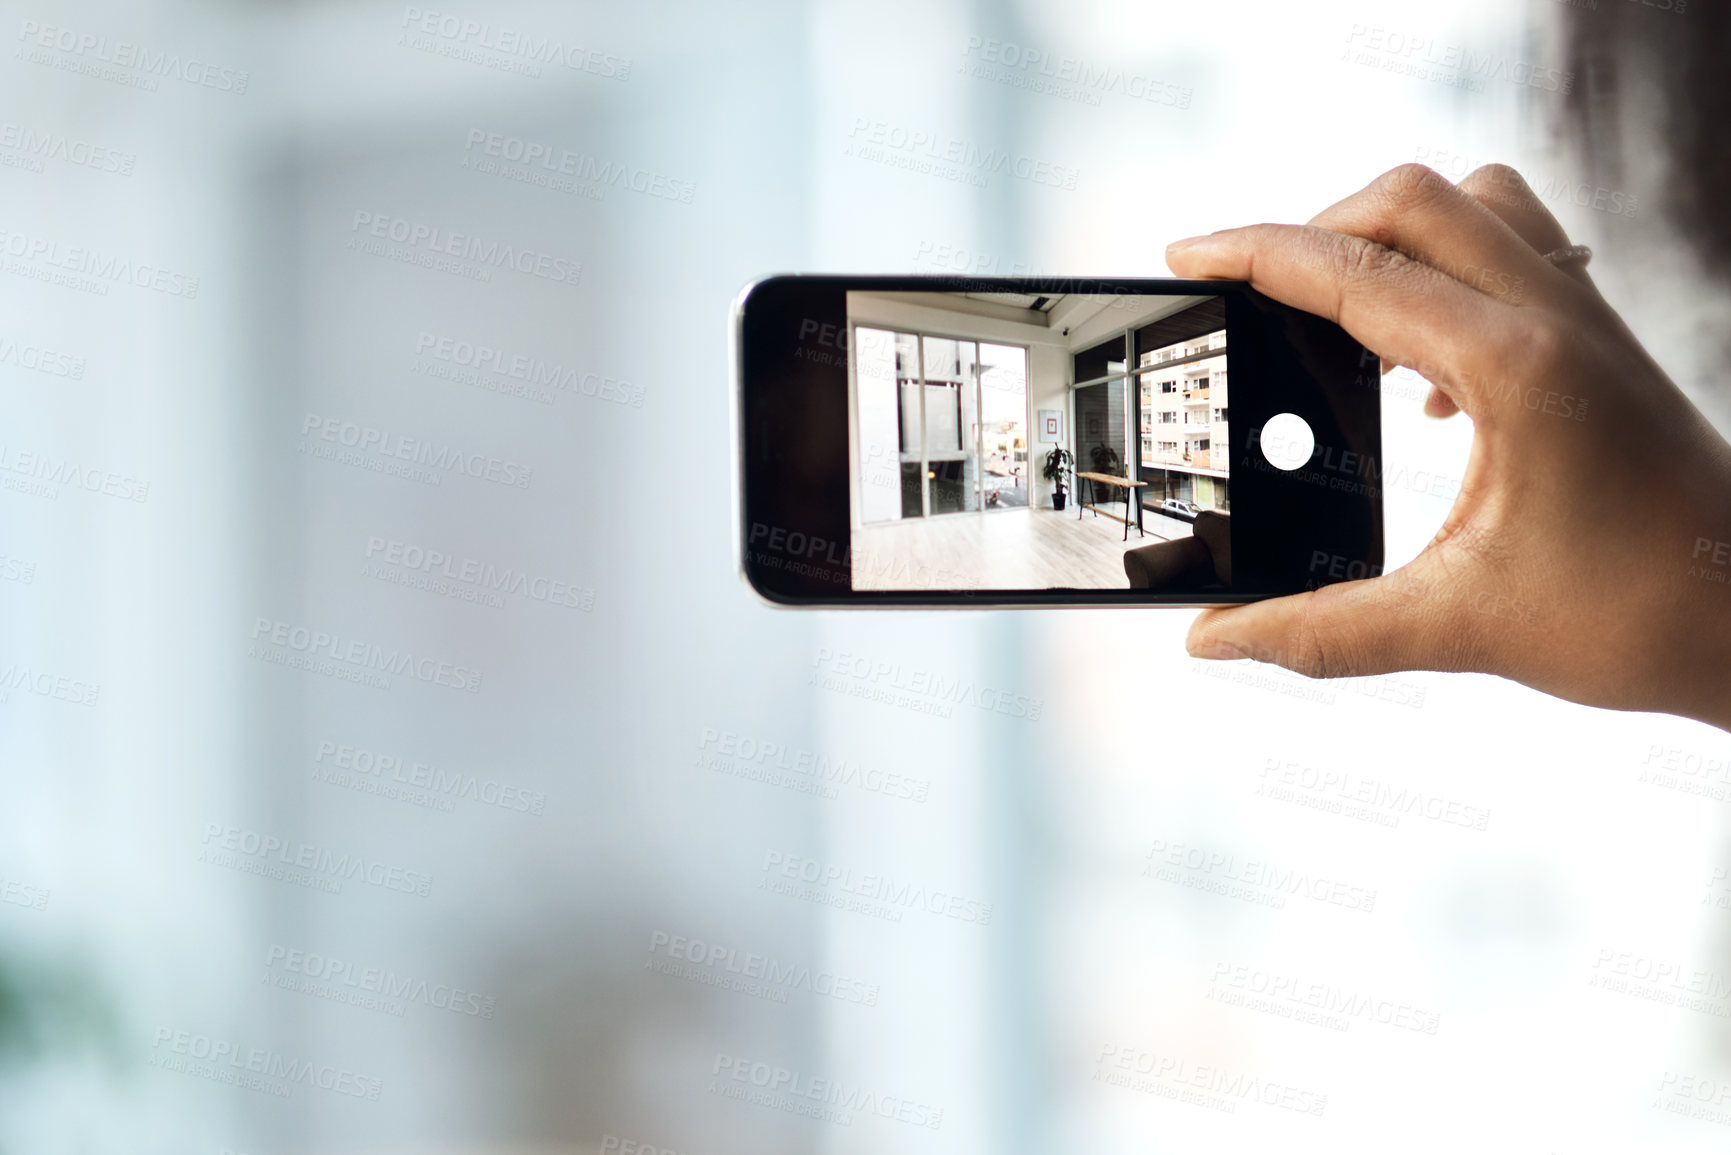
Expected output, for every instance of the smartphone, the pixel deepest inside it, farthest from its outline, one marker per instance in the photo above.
(1004, 441)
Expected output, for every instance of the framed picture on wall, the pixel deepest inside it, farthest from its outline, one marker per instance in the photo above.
(1051, 425)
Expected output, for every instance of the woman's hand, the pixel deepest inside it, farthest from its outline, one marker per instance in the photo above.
(1589, 550)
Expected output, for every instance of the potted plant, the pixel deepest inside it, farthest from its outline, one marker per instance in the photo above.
(1056, 470)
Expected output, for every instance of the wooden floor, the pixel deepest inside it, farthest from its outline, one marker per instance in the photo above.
(1013, 549)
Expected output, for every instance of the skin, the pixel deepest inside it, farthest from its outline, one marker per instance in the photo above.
(1573, 559)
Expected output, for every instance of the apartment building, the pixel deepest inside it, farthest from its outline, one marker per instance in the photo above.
(1184, 413)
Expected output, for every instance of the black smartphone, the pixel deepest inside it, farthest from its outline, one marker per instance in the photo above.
(1001, 441)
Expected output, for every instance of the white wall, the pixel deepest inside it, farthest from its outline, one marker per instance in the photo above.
(1048, 388)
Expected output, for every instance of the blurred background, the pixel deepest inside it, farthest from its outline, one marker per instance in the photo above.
(391, 759)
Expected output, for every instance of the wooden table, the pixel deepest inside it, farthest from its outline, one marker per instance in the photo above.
(1129, 486)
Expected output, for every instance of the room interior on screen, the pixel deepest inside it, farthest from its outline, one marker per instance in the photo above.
(957, 402)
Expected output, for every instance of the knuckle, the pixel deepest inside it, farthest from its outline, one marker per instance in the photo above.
(1543, 347)
(1498, 176)
(1411, 185)
(1359, 259)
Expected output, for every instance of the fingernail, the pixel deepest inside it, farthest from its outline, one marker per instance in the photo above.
(1185, 243)
(1216, 649)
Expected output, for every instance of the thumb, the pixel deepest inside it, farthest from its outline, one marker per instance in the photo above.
(1339, 631)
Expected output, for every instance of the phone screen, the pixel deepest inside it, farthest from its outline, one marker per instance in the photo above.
(1014, 442)
(957, 410)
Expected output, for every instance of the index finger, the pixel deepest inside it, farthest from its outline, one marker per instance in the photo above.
(1402, 308)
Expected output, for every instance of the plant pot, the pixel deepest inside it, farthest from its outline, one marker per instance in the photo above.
(1058, 502)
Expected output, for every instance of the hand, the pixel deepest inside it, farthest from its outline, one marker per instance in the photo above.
(1588, 552)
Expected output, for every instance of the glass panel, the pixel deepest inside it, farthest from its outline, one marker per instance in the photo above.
(1004, 426)
(951, 425)
(907, 355)
(944, 359)
(910, 444)
(943, 421)
(1102, 436)
(951, 492)
(879, 421)
(1106, 357)
(911, 490)
(940, 426)
(908, 382)
(1151, 402)
(969, 439)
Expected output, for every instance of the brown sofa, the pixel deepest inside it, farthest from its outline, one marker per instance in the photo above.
(1200, 562)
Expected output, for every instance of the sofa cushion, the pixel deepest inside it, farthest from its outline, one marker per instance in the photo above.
(1215, 531)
